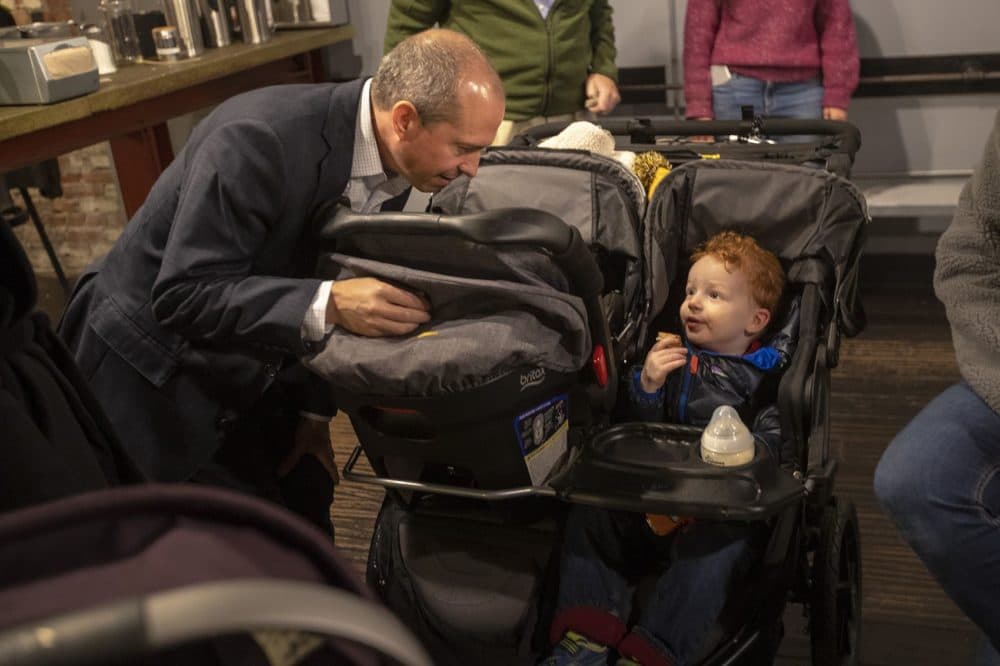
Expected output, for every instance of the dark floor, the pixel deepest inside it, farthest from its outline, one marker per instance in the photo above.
(886, 375)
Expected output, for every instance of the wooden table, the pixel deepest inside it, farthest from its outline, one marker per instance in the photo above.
(132, 106)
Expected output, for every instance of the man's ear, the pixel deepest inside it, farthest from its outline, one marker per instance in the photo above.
(758, 322)
(405, 119)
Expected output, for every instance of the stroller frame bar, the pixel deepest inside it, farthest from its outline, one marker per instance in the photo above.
(439, 488)
(136, 627)
(645, 130)
(721, 509)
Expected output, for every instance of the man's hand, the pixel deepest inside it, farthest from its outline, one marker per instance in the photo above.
(311, 438)
(667, 355)
(370, 307)
(602, 94)
(833, 113)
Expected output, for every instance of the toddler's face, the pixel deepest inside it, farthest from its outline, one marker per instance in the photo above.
(719, 314)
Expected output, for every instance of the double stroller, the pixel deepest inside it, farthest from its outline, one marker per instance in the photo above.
(548, 274)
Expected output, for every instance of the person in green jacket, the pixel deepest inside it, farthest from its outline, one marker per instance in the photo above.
(556, 57)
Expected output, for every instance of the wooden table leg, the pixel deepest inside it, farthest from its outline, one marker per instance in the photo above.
(314, 65)
(140, 158)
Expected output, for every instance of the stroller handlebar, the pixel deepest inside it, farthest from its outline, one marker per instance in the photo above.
(643, 131)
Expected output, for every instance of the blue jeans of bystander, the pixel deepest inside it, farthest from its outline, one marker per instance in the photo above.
(939, 482)
(795, 99)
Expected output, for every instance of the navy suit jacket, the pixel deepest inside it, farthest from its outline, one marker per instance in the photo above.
(199, 305)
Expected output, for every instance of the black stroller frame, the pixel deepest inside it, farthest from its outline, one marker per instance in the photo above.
(812, 556)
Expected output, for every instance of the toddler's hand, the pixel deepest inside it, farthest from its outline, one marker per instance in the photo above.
(667, 355)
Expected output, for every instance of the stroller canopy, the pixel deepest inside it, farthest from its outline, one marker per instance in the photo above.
(813, 220)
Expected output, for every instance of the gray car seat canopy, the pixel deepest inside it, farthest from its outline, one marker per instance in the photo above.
(481, 330)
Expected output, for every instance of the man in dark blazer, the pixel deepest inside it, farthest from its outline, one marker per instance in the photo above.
(190, 328)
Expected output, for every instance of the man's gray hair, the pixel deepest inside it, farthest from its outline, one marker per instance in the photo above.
(425, 70)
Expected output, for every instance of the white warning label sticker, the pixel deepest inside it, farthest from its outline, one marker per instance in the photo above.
(543, 433)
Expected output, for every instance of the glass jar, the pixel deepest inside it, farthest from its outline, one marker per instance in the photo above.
(100, 45)
(121, 30)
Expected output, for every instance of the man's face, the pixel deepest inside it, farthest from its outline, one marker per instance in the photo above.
(719, 309)
(431, 156)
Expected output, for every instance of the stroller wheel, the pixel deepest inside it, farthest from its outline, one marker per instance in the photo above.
(835, 600)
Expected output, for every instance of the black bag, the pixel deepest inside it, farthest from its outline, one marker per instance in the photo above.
(56, 440)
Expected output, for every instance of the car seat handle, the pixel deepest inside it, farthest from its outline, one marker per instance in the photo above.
(503, 226)
(500, 226)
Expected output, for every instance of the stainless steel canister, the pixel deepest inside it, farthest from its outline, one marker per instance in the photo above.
(216, 20)
(256, 21)
(185, 16)
(292, 11)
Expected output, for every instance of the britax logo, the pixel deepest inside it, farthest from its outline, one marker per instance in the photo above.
(532, 378)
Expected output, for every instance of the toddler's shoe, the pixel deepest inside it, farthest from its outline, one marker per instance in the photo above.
(577, 650)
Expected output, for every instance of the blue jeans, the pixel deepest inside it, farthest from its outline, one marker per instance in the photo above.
(604, 552)
(939, 482)
(794, 99)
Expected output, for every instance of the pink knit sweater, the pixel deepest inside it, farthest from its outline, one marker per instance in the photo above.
(772, 40)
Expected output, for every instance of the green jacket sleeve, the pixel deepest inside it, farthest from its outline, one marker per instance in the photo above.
(408, 17)
(602, 40)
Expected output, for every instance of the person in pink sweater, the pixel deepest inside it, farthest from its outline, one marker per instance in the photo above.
(786, 58)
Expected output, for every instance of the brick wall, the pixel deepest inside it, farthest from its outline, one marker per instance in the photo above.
(83, 223)
(86, 220)
(58, 10)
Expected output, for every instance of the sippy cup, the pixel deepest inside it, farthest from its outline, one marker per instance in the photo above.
(726, 441)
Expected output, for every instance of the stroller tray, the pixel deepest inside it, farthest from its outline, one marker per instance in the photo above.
(656, 468)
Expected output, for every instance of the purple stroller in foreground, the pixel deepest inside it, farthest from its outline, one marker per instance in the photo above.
(175, 574)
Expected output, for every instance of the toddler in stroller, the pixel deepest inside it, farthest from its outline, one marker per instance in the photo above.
(733, 287)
